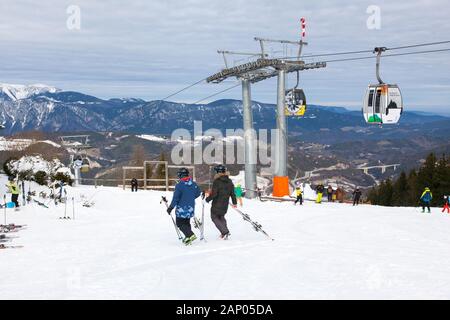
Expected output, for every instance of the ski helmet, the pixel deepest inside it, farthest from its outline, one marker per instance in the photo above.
(11, 178)
(183, 173)
(220, 169)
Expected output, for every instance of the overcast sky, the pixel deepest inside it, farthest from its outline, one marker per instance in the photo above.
(149, 49)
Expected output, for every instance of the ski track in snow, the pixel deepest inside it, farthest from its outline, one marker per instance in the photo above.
(125, 247)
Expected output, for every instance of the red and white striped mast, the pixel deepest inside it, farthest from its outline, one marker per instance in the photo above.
(303, 35)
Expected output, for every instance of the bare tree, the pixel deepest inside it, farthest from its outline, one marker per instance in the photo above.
(35, 135)
(161, 169)
(138, 156)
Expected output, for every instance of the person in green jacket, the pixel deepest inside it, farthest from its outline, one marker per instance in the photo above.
(238, 193)
(13, 188)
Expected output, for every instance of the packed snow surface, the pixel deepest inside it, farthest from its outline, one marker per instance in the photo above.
(125, 246)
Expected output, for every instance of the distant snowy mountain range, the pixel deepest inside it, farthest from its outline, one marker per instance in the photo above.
(47, 108)
(18, 92)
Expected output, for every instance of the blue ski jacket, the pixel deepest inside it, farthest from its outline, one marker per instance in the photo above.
(186, 191)
(427, 196)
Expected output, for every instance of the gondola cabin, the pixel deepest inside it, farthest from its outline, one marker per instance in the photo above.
(383, 104)
(295, 102)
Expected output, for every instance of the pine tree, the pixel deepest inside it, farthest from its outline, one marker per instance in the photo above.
(400, 191)
(386, 193)
(414, 189)
(425, 176)
(442, 181)
(407, 189)
(372, 196)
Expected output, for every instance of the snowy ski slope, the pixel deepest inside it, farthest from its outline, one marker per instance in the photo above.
(125, 247)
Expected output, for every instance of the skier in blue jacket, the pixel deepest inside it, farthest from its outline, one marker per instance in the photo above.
(186, 191)
(425, 199)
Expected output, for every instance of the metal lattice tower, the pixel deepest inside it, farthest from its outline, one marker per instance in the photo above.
(252, 72)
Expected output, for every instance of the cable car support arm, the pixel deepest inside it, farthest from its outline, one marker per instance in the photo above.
(379, 51)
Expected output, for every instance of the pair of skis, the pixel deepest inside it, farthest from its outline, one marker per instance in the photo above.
(66, 217)
(201, 223)
(5, 238)
(40, 203)
(197, 224)
(3, 246)
(257, 226)
(12, 226)
(164, 200)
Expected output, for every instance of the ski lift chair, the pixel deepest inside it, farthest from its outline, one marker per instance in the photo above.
(295, 100)
(85, 165)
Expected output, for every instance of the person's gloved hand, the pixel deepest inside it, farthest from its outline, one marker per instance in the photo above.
(169, 210)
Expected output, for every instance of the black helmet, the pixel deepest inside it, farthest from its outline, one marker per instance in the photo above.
(183, 173)
(11, 178)
(220, 169)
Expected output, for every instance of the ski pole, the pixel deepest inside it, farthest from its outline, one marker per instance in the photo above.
(202, 230)
(73, 208)
(4, 200)
(164, 199)
(23, 193)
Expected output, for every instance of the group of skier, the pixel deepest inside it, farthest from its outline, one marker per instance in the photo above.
(427, 196)
(223, 190)
(183, 201)
(335, 195)
(331, 194)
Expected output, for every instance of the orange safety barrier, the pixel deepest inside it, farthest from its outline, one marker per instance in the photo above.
(280, 186)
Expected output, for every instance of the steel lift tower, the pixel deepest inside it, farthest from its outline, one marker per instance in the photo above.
(252, 72)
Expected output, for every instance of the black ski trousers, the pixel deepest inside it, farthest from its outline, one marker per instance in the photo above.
(220, 223)
(299, 199)
(426, 205)
(184, 224)
(356, 201)
(15, 198)
(134, 188)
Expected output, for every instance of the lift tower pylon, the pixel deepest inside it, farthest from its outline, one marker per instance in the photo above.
(252, 72)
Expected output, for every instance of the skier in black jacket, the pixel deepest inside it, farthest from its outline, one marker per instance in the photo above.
(356, 196)
(222, 191)
(134, 185)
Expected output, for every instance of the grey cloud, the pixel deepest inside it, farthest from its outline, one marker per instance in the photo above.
(149, 49)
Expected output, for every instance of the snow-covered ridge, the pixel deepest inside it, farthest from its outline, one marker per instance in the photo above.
(21, 144)
(150, 137)
(18, 92)
(14, 144)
